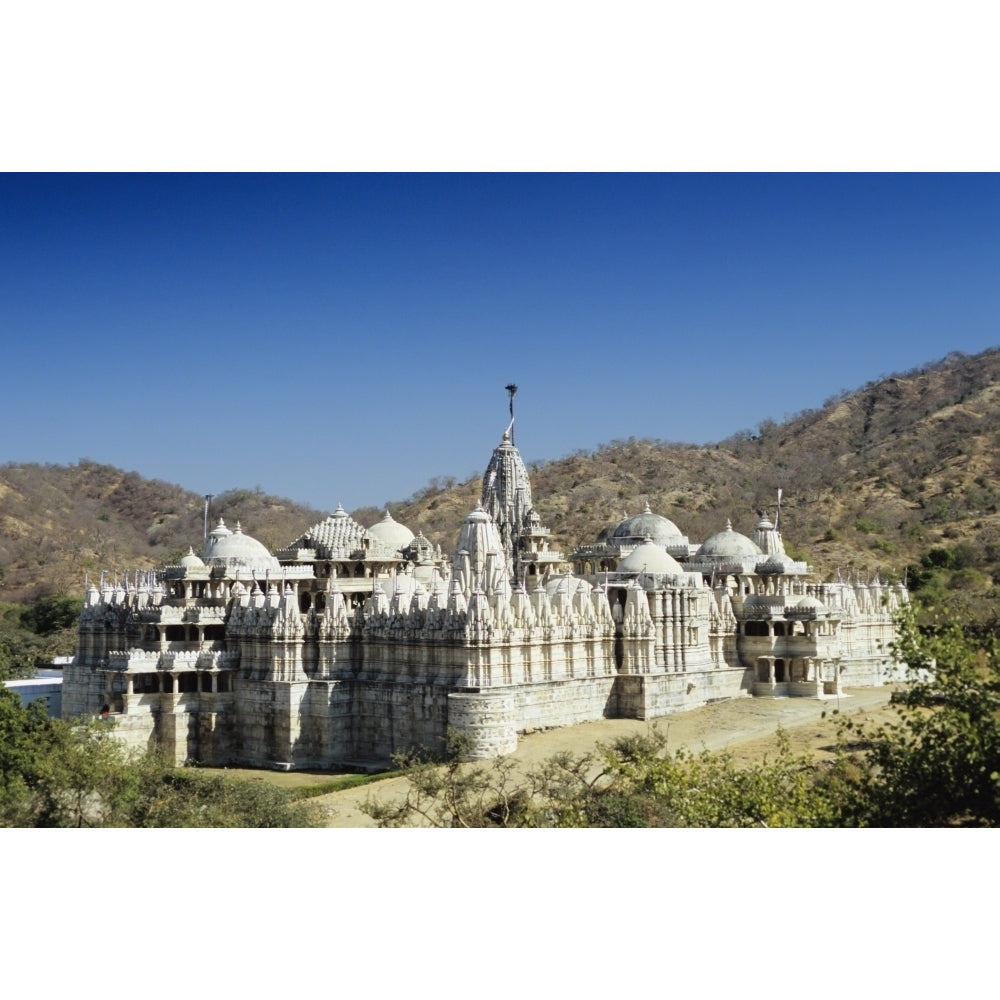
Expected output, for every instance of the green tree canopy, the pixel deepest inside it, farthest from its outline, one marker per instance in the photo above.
(52, 614)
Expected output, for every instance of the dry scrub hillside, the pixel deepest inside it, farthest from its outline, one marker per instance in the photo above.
(59, 522)
(903, 472)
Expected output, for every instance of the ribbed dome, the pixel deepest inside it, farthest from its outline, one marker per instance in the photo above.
(338, 536)
(649, 558)
(727, 544)
(391, 533)
(648, 525)
(235, 550)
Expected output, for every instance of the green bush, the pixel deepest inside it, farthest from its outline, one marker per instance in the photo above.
(53, 774)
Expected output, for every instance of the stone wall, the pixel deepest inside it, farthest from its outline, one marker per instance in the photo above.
(565, 703)
(390, 717)
(83, 690)
(325, 724)
(138, 732)
(649, 696)
(267, 720)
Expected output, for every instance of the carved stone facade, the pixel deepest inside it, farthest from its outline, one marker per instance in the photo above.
(354, 643)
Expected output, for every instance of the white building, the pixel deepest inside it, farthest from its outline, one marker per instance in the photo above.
(353, 643)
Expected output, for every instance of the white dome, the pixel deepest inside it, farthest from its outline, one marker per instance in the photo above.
(391, 533)
(776, 564)
(726, 545)
(648, 525)
(572, 583)
(649, 558)
(191, 561)
(810, 603)
(235, 550)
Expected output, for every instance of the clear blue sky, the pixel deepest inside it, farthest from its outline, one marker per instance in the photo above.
(344, 338)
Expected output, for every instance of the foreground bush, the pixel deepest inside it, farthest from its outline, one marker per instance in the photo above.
(633, 782)
(53, 774)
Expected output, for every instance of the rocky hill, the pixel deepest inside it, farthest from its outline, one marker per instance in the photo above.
(903, 472)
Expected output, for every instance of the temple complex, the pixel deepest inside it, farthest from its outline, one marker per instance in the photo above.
(354, 643)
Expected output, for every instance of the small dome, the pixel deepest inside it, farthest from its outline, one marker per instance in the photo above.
(774, 564)
(391, 533)
(727, 544)
(191, 561)
(219, 531)
(478, 514)
(235, 550)
(648, 525)
(649, 558)
(810, 603)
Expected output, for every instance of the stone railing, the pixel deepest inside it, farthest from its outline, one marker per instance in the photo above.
(144, 660)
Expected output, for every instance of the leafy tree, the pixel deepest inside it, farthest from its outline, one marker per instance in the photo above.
(52, 614)
(18, 646)
(24, 733)
(940, 764)
(31, 636)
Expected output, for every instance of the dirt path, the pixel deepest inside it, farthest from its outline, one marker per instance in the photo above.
(744, 726)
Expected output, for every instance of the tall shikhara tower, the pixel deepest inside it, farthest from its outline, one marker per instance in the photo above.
(507, 499)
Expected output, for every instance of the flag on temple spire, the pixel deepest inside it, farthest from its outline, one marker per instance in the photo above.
(511, 391)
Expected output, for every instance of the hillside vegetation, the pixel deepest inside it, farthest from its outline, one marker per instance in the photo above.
(900, 476)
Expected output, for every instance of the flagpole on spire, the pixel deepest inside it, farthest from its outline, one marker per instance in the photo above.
(208, 502)
(511, 391)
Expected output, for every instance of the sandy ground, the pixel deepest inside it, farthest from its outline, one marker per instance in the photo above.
(746, 727)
